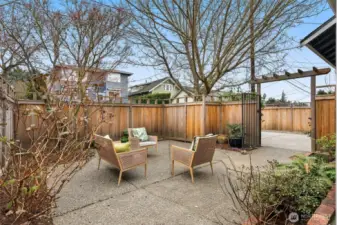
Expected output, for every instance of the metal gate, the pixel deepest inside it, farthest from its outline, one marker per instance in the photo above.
(251, 120)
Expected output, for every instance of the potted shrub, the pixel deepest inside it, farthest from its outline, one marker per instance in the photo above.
(235, 135)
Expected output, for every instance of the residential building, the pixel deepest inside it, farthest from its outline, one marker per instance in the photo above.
(164, 85)
(102, 85)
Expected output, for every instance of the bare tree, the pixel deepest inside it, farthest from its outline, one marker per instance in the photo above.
(94, 38)
(204, 41)
(18, 44)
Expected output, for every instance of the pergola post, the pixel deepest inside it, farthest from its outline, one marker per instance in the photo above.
(313, 113)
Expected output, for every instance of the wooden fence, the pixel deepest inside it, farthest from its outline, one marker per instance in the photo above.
(172, 121)
(293, 119)
(298, 119)
(325, 116)
(183, 121)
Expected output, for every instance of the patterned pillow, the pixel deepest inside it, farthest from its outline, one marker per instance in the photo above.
(140, 133)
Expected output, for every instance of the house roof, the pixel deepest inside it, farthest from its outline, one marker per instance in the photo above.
(322, 41)
(73, 67)
(147, 87)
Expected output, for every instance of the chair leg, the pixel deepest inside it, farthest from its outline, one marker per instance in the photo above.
(172, 168)
(99, 162)
(145, 172)
(192, 176)
(157, 147)
(120, 177)
(211, 167)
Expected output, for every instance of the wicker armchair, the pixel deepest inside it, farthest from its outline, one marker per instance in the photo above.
(203, 154)
(123, 161)
(136, 143)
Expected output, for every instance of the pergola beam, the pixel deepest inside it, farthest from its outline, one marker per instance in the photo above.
(288, 76)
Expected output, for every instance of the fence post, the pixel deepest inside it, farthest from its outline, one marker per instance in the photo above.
(130, 125)
(292, 116)
(220, 116)
(163, 119)
(185, 119)
(203, 115)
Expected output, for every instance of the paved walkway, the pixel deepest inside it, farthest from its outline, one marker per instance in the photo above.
(286, 140)
(92, 196)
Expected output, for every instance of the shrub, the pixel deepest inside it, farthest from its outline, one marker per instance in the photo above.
(328, 144)
(234, 130)
(160, 97)
(271, 192)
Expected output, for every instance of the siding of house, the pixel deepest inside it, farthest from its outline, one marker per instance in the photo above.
(123, 86)
(160, 88)
(181, 96)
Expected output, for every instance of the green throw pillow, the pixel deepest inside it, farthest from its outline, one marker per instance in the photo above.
(122, 147)
(140, 133)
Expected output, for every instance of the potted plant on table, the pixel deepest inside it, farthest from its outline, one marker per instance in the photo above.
(235, 135)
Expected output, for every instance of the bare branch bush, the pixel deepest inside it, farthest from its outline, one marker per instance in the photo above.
(56, 137)
(203, 42)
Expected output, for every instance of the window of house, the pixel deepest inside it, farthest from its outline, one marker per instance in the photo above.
(114, 77)
(168, 87)
(115, 93)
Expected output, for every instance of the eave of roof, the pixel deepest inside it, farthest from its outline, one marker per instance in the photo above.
(327, 24)
(322, 41)
(93, 69)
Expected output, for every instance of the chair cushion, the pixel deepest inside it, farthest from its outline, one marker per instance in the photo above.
(195, 141)
(140, 133)
(122, 147)
(147, 143)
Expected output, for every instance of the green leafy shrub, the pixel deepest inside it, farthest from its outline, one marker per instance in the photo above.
(328, 144)
(311, 166)
(291, 191)
(234, 130)
(271, 192)
(160, 97)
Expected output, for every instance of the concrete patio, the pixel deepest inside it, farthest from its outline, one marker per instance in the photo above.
(92, 196)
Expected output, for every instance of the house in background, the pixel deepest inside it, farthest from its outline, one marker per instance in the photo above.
(103, 85)
(164, 85)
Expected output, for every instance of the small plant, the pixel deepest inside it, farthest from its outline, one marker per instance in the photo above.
(328, 144)
(234, 130)
(125, 136)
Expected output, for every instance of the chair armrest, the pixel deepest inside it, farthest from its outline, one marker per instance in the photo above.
(134, 142)
(153, 138)
(182, 155)
(132, 158)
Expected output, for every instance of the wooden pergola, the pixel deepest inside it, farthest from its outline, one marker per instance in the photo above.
(288, 76)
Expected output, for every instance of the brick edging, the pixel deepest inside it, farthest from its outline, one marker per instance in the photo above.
(326, 210)
(322, 214)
